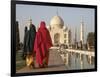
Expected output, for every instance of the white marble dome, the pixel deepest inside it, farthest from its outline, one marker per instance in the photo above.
(57, 21)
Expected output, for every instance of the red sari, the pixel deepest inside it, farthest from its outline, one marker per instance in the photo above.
(42, 44)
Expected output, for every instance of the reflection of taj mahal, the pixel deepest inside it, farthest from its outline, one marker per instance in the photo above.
(60, 33)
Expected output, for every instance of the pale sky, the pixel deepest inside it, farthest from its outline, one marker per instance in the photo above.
(70, 15)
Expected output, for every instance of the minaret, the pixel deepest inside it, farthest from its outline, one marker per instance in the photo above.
(75, 38)
(69, 37)
(82, 32)
(75, 35)
(30, 21)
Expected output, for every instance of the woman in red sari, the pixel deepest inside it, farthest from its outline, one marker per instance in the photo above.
(42, 44)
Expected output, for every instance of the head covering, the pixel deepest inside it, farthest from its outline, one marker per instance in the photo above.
(25, 29)
(42, 24)
(45, 35)
(42, 42)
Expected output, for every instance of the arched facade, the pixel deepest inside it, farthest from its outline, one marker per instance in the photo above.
(60, 34)
(56, 38)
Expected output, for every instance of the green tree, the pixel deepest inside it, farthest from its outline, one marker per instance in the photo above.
(91, 39)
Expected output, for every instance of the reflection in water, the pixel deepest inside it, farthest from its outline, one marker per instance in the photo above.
(90, 60)
(77, 61)
(81, 61)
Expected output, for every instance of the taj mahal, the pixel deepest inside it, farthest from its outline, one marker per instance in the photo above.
(60, 33)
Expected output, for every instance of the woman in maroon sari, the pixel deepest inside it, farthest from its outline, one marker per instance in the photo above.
(42, 44)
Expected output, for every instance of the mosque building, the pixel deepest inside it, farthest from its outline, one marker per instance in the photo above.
(60, 33)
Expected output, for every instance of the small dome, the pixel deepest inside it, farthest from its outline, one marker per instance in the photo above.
(65, 27)
(57, 21)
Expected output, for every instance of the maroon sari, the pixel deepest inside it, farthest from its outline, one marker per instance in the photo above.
(42, 44)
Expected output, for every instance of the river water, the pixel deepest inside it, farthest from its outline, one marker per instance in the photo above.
(77, 61)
